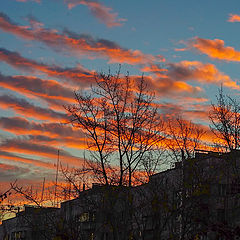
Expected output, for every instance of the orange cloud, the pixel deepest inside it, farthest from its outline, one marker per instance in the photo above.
(215, 49)
(162, 85)
(198, 113)
(76, 75)
(102, 13)
(23, 107)
(38, 1)
(27, 148)
(174, 77)
(51, 133)
(167, 87)
(175, 131)
(31, 86)
(195, 112)
(180, 49)
(155, 69)
(37, 163)
(77, 44)
(234, 18)
(197, 71)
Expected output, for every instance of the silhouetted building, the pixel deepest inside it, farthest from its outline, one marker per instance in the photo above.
(34, 223)
(98, 213)
(197, 199)
(202, 198)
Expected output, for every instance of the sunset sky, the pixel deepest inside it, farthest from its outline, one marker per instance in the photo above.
(49, 48)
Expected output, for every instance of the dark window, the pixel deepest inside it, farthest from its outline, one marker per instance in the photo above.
(220, 215)
(222, 189)
(235, 188)
(104, 236)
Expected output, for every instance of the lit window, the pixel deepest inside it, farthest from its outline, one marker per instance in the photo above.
(91, 236)
(84, 217)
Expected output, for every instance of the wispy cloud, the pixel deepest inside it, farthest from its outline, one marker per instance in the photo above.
(155, 69)
(200, 72)
(14, 158)
(77, 44)
(9, 172)
(77, 75)
(234, 18)
(168, 87)
(181, 72)
(54, 133)
(30, 86)
(24, 108)
(38, 1)
(215, 49)
(22, 146)
(103, 13)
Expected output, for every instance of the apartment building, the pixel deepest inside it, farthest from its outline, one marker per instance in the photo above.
(199, 198)
(35, 223)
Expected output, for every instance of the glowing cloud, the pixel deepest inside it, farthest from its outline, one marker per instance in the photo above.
(197, 71)
(102, 13)
(54, 133)
(77, 44)
(31, 86)
(15, 158)
(10, 172)
(76, 75)
(234, 18)
(169, 87)
(21, 146)
(155, 69)
(23, 107)
(215, 49)
(38, 1)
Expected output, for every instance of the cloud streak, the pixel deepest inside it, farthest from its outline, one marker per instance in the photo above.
(168, 87)
(23, 107)
(54, 133)
(9, 172)
(38, 163)
(25, 147)
(234, 18)
(101, 12)
(215, 49)
(77, 44)
(38, 1)
(31, 86)
(76, 75)
(200, 72)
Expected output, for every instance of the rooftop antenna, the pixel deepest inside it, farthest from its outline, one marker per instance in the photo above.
(56, 180)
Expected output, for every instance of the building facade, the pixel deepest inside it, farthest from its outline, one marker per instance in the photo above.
(197, 199)
(33, 223)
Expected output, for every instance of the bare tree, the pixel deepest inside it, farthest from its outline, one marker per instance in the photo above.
(225, 124)
(225, 119)
(5, 206)
(183, 137)
(121, 124)
(38, 217)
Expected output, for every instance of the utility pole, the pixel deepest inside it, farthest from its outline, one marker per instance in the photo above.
(56, 180)
(43, 186)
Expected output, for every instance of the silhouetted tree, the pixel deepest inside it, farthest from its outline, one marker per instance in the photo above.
(5, 206)
(183, 137)
(225, 119)
(225, 124)
(121, 124)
